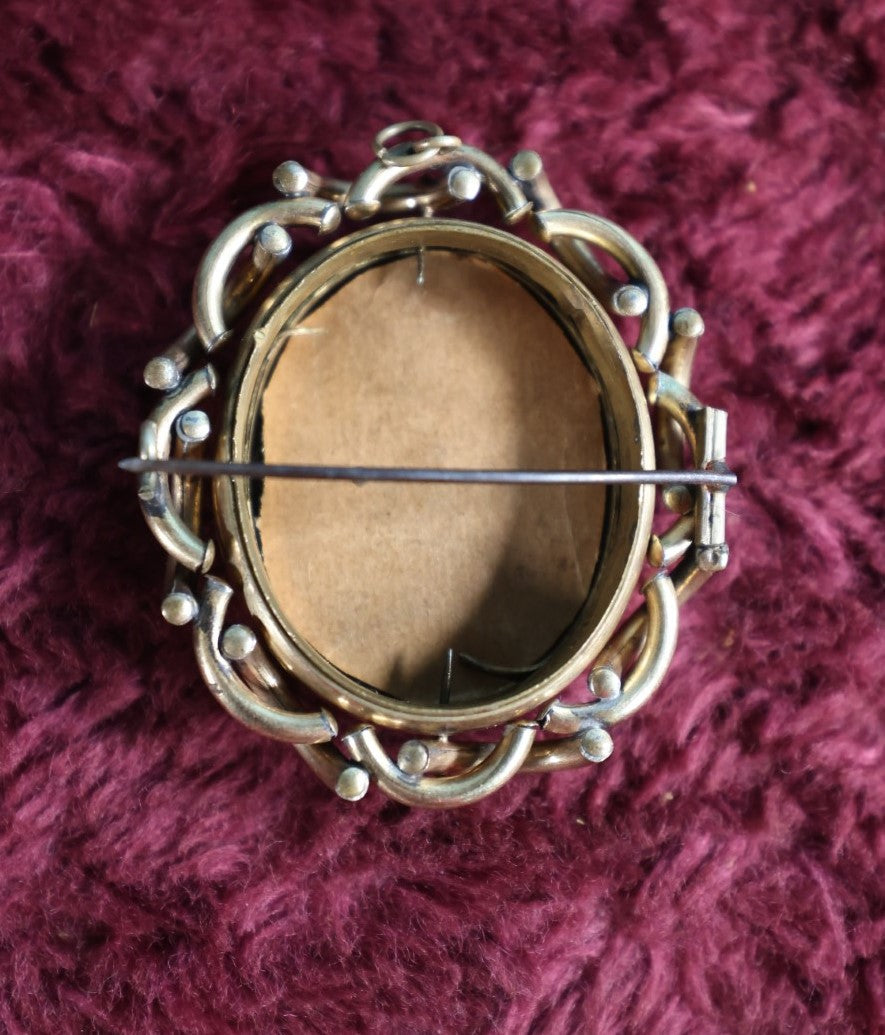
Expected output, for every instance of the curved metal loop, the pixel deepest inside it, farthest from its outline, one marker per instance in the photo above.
(503, 762)
(670, 546)
(347, 779)
(209, 286)
(154, 491)
(544, 756)
(679, 403)
(193, 388)
(550, 756)
(639, 265)
(242, 648)
(687, 578)
(407, 153)
(528, 168)
(365, 197)
(401, 200)
(662, 628)
(440, 142)
(233, 694)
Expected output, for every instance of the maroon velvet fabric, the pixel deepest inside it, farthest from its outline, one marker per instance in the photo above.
(163, 869)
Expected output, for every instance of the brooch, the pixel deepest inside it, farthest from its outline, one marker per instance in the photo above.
(410, 481)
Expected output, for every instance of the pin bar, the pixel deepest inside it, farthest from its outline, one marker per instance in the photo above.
(714, 479)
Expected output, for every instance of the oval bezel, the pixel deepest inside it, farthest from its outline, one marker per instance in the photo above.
(629, 446)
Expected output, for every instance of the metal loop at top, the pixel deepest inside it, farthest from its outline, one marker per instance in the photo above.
(407, 153)
(366, 195)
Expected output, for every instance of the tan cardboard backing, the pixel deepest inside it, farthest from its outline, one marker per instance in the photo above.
(467, 370)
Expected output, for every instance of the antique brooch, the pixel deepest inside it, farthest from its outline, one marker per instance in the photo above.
(435, 470)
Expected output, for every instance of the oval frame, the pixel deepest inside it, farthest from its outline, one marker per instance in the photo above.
(629, 445)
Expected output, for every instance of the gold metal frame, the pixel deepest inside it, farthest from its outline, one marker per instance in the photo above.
(627, 663)
(630, 446)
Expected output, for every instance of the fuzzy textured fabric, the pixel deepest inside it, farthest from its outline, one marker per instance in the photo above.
(163, 869)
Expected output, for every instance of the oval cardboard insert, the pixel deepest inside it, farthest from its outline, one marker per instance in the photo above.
(466, 369)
